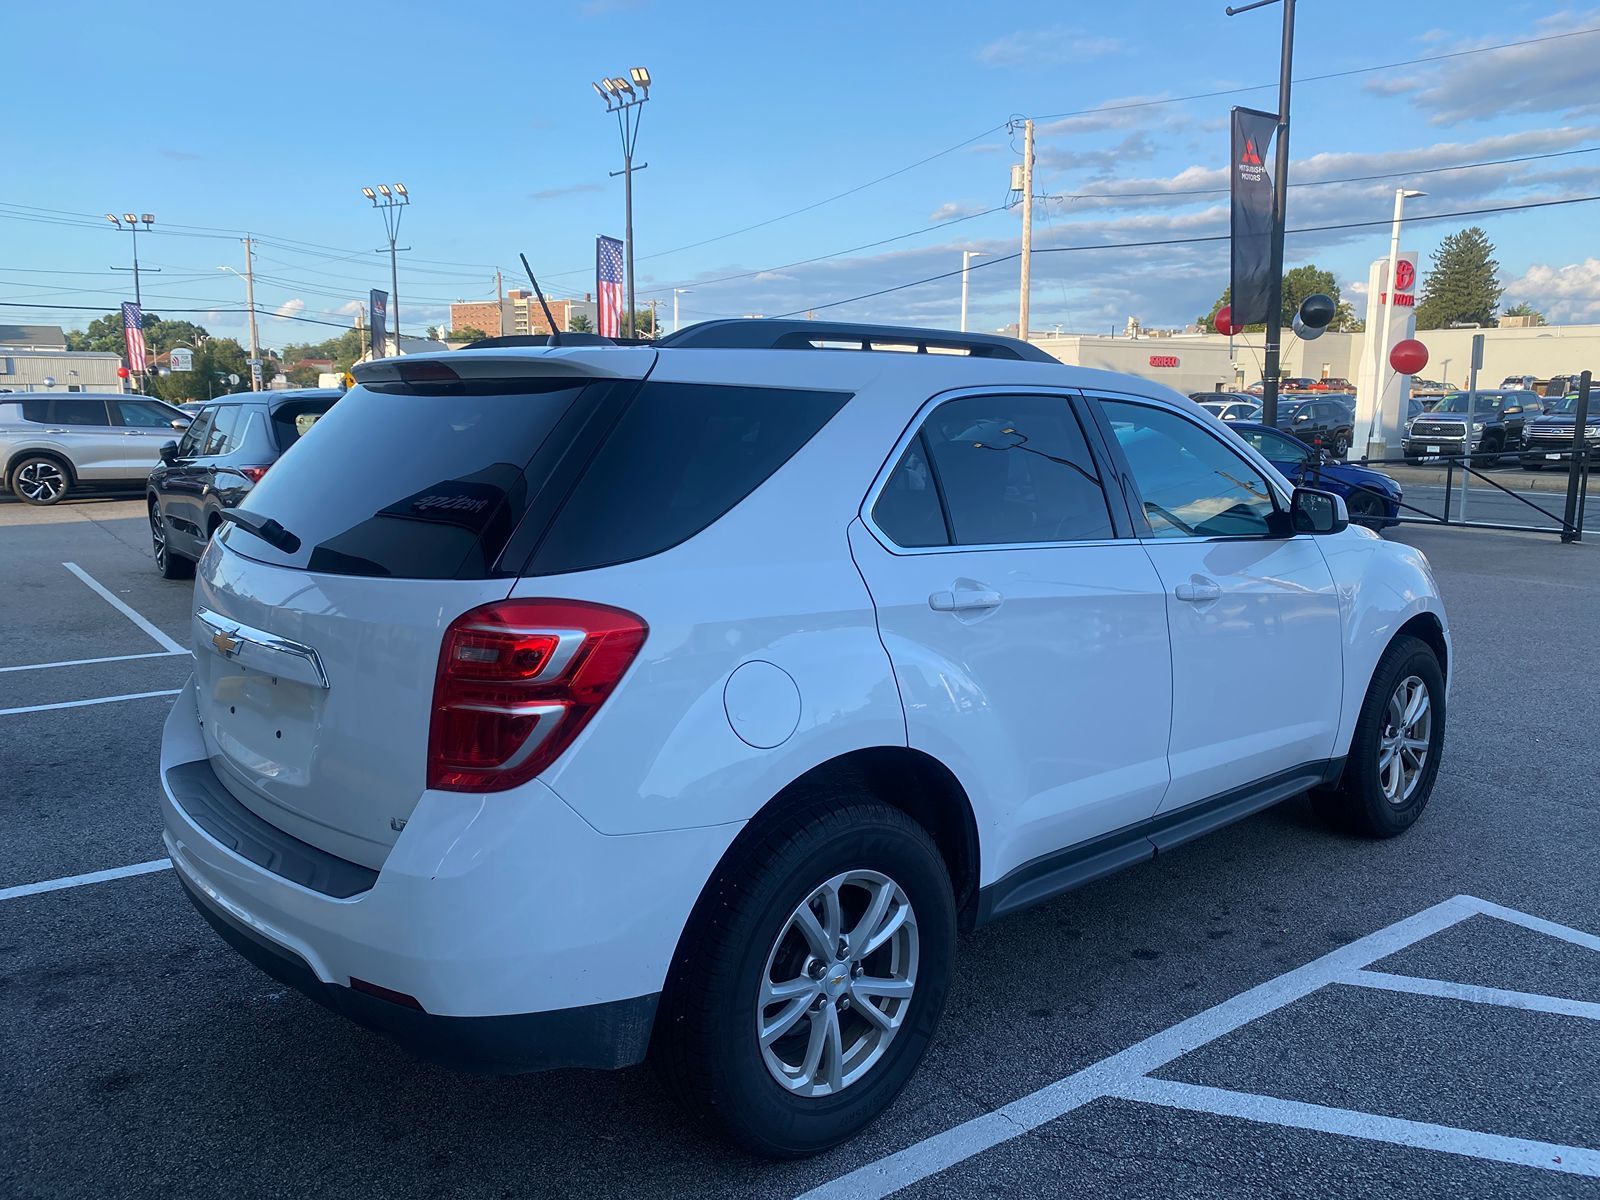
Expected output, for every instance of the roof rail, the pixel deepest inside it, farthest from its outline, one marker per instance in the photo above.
(770, 333)
(536, 339)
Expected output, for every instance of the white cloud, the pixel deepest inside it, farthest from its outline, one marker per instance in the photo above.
(955, 208)
(1039, 47)
(291, 308)
(352, 307)
(1562, 294)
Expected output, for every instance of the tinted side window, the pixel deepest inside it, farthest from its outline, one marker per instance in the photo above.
(679, 458)
(1274, 446)
(908, 508)
(1016, 469)
(294, 418)
(194, 438)
(144, 414)
(220, 438)
(79, 412)
(37, 411)
(1191, 484)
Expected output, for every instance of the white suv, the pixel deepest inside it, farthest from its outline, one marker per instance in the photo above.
(564, 706)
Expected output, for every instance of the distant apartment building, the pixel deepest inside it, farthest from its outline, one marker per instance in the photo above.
(519, 312)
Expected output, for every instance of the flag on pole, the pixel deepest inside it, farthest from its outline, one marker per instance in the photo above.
(1250, 282)
(133, 337)
(608, 285)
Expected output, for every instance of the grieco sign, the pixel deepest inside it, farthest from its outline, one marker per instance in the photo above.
(1163, 360)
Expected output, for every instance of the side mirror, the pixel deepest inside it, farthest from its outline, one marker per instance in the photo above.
(180, 423)
(169, 452)
(1316, 511)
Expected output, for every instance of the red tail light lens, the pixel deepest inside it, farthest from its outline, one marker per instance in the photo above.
(253, 474)
(517, 681)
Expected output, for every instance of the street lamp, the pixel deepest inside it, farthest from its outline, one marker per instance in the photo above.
(966, 264)
(676, 292)
(1401, 195)
(627, 99)
(130, 222)
(391, 205)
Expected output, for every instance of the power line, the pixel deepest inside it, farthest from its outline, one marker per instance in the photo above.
(260, 312)
(1188, 241)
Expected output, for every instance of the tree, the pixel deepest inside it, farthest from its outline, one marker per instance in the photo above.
(105, 334)
(644, 323)
(579, 323)
(1463, 286)
(467, 333)
(344, 350)
(214, 360)
(1524, 309)
(1297, 285)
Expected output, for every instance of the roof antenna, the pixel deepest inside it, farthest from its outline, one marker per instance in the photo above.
(555, 334)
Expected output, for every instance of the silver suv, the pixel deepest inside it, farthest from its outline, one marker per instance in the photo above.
(50, 444)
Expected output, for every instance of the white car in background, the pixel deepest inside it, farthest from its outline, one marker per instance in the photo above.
(571, 706)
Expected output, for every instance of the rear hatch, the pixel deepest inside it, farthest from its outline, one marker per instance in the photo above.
(415, 498)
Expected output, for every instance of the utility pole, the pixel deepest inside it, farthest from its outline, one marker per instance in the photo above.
(250, 302)
(966, 265)
(1280, 207)
(1027, 228)
(655, 322)
(392, 206)
(622, 98)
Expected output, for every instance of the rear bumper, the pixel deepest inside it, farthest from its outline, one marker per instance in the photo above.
(528, 939)
(597, 1035)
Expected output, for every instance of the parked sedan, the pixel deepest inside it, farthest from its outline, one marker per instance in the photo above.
(230, 446)
(1372, 498)
(1228, 408)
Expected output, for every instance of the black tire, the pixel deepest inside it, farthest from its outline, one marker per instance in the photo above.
(40, 479)
(1366, 509)
(1358, 802)
(1533, 466)
(1489, 453)
(169, 565)
(706, 1047)
(1341, 445)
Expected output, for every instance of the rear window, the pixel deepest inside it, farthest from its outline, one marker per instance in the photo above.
(293, 418)
(679, 458)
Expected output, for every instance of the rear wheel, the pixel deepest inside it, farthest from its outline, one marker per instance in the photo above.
(168, 564)
(1341, 445)
(807, 994)
(39, 480)
(1394, 754)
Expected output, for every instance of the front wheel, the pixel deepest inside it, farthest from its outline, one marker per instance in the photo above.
(1366, 509)
(39, 481)
(1394, 754)
(168, 564)
(807, 992)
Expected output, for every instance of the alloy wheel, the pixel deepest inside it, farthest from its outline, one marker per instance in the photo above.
(158, 536)
(41, 481)
(1403, 748)
(838, 983)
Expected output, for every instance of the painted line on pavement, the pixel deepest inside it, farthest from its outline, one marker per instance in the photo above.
(1295, 1114)
(72, 881)
(89, 662)
(33, 708)
(162, 639)
(1527, 1001)
(1126, 1071)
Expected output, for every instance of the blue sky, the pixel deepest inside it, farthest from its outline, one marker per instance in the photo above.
(271, 118)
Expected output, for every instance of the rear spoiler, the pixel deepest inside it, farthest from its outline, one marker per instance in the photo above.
(563, 362)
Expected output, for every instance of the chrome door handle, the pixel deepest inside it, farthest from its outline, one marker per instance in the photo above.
(964, 600)
(1198, 590)
(133, 433)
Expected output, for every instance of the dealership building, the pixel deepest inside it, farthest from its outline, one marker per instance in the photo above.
(35, 358)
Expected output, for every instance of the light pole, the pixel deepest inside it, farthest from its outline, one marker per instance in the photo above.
(249, 278)
(622, 98)
(391, 206)
(130, 222)
(676, 292)
(966, 264)
(1401, 195)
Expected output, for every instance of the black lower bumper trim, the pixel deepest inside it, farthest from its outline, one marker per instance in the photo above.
(605, 1036)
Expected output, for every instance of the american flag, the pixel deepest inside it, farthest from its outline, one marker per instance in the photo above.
(608, 285)
(133, 335)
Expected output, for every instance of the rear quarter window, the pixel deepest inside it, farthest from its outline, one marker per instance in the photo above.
(293, 419)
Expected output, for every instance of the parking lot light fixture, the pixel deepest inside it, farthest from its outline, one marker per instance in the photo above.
(400, 190)
(112, 217)
(392, 205)
(130, 218)
(622, 99)
(370, 194)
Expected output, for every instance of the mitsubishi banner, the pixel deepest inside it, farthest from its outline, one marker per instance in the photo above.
(1250, 270)
(377, 321)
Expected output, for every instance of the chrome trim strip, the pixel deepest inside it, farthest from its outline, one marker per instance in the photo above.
(264, 651)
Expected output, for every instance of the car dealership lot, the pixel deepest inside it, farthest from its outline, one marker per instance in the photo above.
(1226, 1018)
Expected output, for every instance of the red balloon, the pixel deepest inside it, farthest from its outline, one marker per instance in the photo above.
(123, 372)
(1223, 321)
(1408, 356)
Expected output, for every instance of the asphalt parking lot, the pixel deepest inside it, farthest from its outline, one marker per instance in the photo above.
(1274, 1010)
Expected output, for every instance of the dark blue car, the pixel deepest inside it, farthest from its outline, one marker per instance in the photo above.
(1371, 496)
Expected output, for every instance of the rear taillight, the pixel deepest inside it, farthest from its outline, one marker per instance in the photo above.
(517, 682)
(253, 474)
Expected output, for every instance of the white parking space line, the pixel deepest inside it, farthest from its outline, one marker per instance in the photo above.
(33, 708)
(1123, 1071)
(72, 881)
(89, 662)
(1295, 1114)
(162, 639)
(1528, 1001)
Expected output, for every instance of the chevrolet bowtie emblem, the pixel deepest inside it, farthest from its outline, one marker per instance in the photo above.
(225, 643)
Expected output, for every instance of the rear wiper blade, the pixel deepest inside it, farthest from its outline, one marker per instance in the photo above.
(265, 528)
